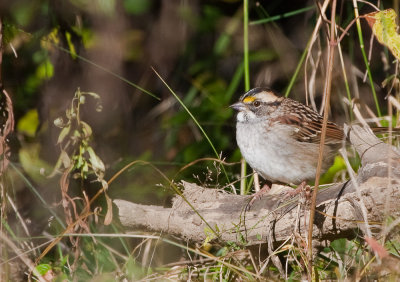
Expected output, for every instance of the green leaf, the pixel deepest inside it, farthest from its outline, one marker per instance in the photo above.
(337, 166)
(85, 169)
(29, 123)
(70, 45)
(43, 268)
(10, 31)
(64, 132)
(79, 161)
(45, 70)
(50, 39)
(210, 235)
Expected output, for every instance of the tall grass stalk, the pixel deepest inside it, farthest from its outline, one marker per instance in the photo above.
(243, 168)
(346, 82)
(246, 45)
(282, 16)
(296, 72)
(360, 38)
(327, 93)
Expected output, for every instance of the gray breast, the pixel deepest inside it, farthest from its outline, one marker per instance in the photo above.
(274, 154)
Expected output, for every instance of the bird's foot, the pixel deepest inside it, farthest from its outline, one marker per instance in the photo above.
(301, 188)
(263, 191)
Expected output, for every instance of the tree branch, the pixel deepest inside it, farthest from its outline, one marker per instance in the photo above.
(338, 213)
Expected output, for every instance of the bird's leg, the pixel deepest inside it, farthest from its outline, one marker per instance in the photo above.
(263, 191)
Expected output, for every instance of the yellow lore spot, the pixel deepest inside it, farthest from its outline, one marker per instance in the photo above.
(249, 99)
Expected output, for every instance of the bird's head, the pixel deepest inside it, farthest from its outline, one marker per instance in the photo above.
(256, 104)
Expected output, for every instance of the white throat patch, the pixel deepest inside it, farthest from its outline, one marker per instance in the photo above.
(245, 116)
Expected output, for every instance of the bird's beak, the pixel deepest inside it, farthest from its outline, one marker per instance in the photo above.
(239, 106)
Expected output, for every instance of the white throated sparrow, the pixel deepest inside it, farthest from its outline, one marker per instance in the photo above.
(279, 137)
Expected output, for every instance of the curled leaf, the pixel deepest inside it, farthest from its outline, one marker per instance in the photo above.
(86, 129)
(96, 162)
(94, 95)
(109, 214)
(66, 161)
(383, 24)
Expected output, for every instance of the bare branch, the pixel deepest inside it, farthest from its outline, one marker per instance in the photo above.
(338, 212)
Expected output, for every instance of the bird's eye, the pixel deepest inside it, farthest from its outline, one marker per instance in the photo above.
(256, 104)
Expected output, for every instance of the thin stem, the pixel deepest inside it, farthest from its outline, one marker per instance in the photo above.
(282, 16)
(346, 82)
(246, 45)
(360, 38)
(242, 177)
(194, 120)
(246, 78)
(327, 93)
(105, 70)
(296, 72)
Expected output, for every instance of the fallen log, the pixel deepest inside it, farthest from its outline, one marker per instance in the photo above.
(343, 209)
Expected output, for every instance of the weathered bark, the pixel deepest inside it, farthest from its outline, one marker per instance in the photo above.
(339, 207)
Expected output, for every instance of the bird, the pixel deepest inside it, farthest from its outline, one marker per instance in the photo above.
(280, 137)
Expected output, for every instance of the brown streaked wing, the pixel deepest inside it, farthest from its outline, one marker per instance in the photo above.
(310, 131)
(334, 133)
